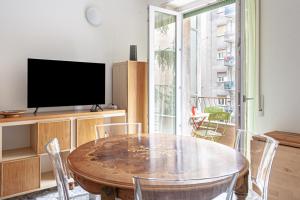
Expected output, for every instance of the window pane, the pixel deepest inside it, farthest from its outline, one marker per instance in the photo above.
(164, 72)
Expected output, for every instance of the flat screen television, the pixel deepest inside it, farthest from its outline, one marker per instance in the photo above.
(53, 83)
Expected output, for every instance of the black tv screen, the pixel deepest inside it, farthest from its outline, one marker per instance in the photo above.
(54, 83)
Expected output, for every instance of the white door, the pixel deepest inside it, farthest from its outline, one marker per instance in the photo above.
(164, 70)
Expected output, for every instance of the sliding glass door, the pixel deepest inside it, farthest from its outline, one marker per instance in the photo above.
(164, 65)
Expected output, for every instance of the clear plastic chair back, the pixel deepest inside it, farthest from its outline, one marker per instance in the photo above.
(193, 189)
(260, 150)
(61, 177)
(118, 129)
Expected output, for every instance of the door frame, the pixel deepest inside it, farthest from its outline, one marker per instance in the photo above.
(151, 57)
(240, 111)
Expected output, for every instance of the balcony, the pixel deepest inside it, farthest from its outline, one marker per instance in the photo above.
(218, 104)
(229, 11)
(229, 61)
(229, 37)
(229, 85)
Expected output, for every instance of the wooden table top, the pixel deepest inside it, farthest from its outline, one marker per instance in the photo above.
(114, 161)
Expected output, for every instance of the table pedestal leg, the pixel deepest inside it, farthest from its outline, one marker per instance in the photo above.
(108, 193)
(125, 194)
(241, 190)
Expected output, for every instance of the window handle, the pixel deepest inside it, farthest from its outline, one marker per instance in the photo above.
(245, 98)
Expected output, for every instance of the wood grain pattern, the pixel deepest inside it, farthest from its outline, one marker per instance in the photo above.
(120, 85)
(285, 138)
(20, 153)
(1, 180)
(34, 137)
(114, 161)
(49, 130)
(130, 90)
(137, 110)
(86, 130)
(285, 174)
(142, 95)
(59, 114)
(42, 130)
(133, 92)
(21, 175)
(228, 138)
(1, 136)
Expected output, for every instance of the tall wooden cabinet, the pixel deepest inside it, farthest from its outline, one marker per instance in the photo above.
(130, 90)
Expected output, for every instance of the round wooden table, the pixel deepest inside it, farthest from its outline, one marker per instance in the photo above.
(106, 166)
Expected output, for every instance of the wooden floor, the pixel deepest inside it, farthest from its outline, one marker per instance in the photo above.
(51, 194)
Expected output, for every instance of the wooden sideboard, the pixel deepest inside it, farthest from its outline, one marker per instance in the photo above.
(285, 175)
(24, 165)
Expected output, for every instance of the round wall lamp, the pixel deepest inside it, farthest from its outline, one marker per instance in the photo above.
(93, 16)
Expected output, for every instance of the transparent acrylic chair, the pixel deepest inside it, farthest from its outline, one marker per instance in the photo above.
(62, 176)
(118, 129)
(260, 151)
(220, 188)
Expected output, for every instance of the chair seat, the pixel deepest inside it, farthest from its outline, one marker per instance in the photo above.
(251, 196)
(207, 134)
(221, 197)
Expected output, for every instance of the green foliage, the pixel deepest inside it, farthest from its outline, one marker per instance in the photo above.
(162, 21)
(165, 98)
(165, 95)
(213, 109)
(165, 59)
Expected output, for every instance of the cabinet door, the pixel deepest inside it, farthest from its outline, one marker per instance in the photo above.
(86, 130)
(20, 176)
(137, 110)
(49, 130)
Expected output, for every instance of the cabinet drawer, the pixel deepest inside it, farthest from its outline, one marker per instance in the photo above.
(46, 131)
(20, 176)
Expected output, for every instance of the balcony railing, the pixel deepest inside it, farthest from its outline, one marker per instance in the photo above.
(222, 102)
(218, 103)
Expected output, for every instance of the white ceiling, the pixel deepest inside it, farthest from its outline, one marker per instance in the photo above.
(184, 4)
(179, 3)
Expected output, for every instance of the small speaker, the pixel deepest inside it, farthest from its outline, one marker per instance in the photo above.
(133, 53)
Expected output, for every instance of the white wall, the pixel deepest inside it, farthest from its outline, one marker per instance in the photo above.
(280, 41)
(157, 2)
(57, 29)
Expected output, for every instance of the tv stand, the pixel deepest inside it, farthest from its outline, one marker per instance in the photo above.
(96, 108)
(72, 128)
(36, 110)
